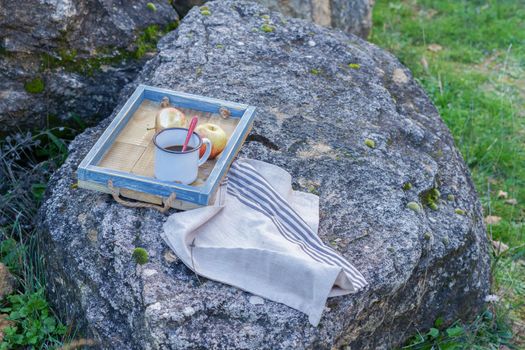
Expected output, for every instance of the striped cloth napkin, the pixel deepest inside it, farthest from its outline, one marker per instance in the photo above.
(261, 236)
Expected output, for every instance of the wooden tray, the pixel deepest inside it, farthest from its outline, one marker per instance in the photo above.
(124, 154)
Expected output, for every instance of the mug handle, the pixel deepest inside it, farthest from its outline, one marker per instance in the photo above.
(206, 154)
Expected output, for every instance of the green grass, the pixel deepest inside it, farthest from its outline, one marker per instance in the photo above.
(35, 325)
(470, 58)
(489, 330)
(26, 162)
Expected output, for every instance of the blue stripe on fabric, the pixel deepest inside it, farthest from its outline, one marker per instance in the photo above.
(255, 206)
(326, 256)
(249, 171)
(311, 251)
(291, 213)
(326, 251)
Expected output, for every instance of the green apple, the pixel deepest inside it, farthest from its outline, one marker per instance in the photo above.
(216, 135)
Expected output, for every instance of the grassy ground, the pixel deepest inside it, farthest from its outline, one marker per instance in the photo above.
(470, 58)
(26, 162)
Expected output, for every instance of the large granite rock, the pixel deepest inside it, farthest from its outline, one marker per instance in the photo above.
(321, 95)
(65, 58)
(351, 16)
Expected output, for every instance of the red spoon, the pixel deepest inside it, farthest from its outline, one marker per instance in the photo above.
(193, 123)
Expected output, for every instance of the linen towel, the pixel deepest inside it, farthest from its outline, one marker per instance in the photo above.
(261, 236)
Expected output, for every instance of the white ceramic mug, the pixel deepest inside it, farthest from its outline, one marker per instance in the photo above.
(178, 166)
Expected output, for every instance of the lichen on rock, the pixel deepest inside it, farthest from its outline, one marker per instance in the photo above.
(414, 206)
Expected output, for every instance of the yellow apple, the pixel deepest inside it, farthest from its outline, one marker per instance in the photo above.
(170, 118)
(216, 135)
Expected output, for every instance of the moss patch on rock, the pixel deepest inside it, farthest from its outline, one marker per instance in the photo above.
(205, 11)
(267, 28)
(147, 41)
(70, 60)
(459, 211)
(151, 6)
(35, 85)
(140, 255)
(370, 143)
(430, 198)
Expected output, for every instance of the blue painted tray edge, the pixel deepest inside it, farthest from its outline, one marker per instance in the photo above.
(89, 172)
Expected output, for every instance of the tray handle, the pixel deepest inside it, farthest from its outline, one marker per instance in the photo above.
(163, 209)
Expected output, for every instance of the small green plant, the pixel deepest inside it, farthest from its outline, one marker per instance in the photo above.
(151, 6)
(354, 65)
(147, 41)
(267, 28)
(315, 71)
(205, 11)
(451, 197)
(38, 190)
(370, 143)
(34, 326)
(430, 198)
(486, 332)
(407, 186)
(34, 86)
(140, 255)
